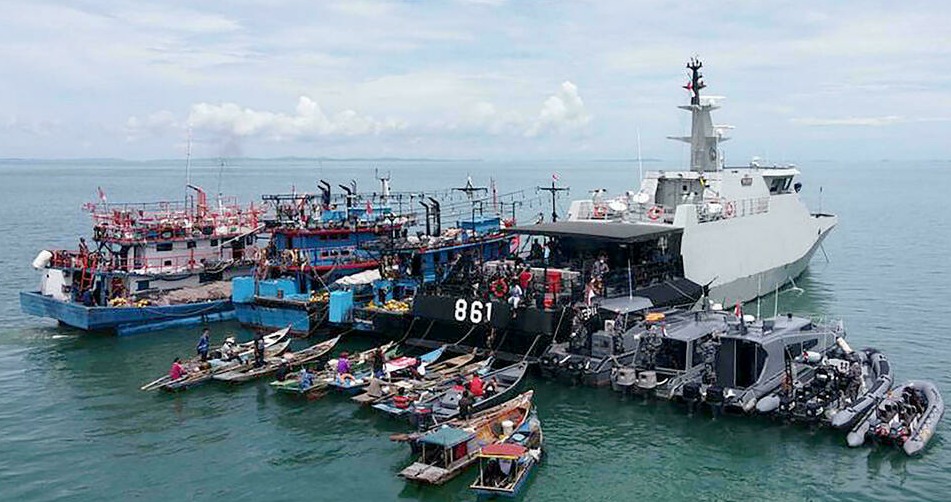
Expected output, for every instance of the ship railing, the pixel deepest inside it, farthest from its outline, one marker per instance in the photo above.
(166, 264)
(299, 257)
(729, 209)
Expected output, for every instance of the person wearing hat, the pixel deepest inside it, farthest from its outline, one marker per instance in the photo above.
(229, 349)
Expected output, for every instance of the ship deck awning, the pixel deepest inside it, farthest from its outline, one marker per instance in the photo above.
(619, 232)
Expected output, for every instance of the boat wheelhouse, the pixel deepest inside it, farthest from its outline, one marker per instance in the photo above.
(150, 265)
(752, 359)
(314, 241)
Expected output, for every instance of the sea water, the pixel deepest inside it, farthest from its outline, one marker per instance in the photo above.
(74, 425)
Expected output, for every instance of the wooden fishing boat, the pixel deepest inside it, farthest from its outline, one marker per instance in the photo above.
(445, 451)
(445, 406)
(378, 389)
(293, 360)
(505, 467)
(320, 381)
(395, 398)
(393, 369)
(245, 351)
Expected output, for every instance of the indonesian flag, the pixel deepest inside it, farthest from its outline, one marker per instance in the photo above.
(102, 195)
(738, 310)
(369, 208)
(554, 176)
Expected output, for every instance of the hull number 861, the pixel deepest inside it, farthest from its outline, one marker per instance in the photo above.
(475, 311)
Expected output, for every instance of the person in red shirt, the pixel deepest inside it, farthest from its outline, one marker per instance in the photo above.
(475, 386)
(524, 278)
(177, 371)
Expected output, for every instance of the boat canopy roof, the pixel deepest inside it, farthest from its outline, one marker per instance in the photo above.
(624, 304)
(607, 231)
(503, 450)
(447, 437)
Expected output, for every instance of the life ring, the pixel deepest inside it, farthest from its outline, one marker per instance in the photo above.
(499, 288)
(600, 211)
(655, 213)
(729, 210)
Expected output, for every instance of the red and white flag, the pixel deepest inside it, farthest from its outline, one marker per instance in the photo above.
(102, 195)
(369, 209)
(738, 310)
(554, 176)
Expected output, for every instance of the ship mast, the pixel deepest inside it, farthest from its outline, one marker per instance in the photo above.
(704, 137)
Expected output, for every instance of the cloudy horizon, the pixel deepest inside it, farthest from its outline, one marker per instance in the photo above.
(468, 79)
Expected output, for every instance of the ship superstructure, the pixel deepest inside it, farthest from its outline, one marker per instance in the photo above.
(745, 229)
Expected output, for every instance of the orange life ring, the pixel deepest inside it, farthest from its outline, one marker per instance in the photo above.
(599, 211)
(729, 210)
(655, 213)
(499, 288)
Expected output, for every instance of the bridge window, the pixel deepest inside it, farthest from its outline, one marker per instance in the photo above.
(164, 246)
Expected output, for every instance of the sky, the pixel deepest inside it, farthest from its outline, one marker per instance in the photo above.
(489, 79)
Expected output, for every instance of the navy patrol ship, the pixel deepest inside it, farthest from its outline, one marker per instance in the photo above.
(729, 216)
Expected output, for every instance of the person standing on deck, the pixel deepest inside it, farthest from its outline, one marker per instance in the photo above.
(204, 343)
(378, 362)
(258, 350)
(465, 405)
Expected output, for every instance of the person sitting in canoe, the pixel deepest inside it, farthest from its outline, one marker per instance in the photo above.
(282, 371)
(306, 378)
(491, 387)
(475, 386)
(343, 368)
(229, 349)
(177, 370)
(401, 400)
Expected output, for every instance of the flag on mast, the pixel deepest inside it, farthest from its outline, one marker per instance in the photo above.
(369, 208)
(102, 195)
(554, 176)
(738, 310)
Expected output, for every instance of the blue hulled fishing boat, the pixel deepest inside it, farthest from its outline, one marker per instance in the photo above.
(149, 265)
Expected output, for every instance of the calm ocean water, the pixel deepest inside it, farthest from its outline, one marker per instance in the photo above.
(74, 426)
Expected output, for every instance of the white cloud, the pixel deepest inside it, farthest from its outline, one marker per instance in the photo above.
(563, 112)
(307, 121)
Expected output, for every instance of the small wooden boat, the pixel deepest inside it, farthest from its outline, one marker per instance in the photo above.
(395, 398)
(293, 360)
(378, 390)
(445, 451)
(195, 368)
(320, 381)
(445, 406)
(505, 467)
(393, 368)
(908, 417)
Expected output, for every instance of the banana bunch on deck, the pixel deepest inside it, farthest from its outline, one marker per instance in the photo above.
(319, 297)
(396, 306)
